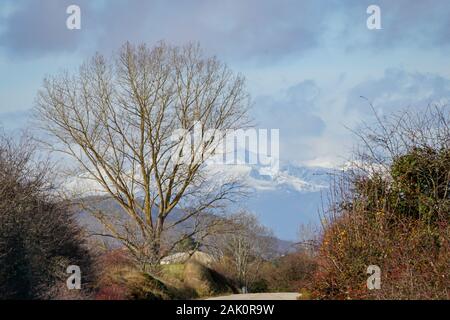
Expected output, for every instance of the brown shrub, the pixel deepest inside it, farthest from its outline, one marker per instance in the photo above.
(121, 280)
(39, 236)
(413, 260)
(391, 209)
(290, 273)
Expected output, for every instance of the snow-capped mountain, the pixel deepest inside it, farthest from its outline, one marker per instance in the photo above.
(284, 198)
(289, 178)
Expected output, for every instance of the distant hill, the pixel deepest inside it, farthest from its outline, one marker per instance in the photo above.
(105, 204)
(282, 199)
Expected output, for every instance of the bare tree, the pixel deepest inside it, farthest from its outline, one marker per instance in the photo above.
(118, 120)
(308, 236)
(246, 244)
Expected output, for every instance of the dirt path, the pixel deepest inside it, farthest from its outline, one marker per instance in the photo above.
(259, 296)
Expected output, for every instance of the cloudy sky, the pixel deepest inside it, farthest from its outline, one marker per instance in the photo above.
(307, 62)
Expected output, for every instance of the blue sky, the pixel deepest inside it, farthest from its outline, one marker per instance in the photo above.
(306, 62)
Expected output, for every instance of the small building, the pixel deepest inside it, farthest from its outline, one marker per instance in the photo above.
(182, 257)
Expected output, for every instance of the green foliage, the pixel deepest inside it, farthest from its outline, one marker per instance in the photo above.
(173, 271)
(259, 285)
(421, 183)
(187, 244)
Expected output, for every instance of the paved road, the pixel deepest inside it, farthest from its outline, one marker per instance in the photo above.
(260, 296)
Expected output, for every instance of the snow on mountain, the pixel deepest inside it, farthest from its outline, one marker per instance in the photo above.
(288, 177)
(284, 198)
(299, 179)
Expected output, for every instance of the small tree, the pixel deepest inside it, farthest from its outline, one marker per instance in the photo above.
(118, 120)
(244, 245)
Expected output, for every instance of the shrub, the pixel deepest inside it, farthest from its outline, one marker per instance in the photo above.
(291, 272)
(39, 237)
(392, 209)
(121, 279)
